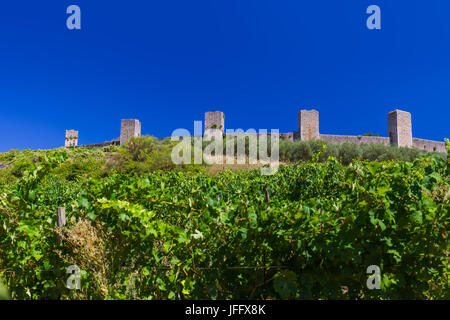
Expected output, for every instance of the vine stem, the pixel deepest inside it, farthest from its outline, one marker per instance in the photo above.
(11, 217)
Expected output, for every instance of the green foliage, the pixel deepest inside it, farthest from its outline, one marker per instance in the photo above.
(447, 145)
(82, 164)
(141, 155)
(175, 234)
(346, 152)
(295, 151)
(4, 295)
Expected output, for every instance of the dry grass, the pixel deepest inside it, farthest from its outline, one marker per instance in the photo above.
(85, 247)
(215, 169)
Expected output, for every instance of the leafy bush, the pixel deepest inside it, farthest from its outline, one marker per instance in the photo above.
(4, 295)
(139, 156)
(302, 233)
(348, 152)
(301, 151)
(82, 163)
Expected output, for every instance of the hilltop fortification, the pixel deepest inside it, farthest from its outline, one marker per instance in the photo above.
(399, 130)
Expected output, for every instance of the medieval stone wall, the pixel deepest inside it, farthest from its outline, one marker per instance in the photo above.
(129, 128)
(101, 145)
(400, 129)
(215, 120)
(339, 139)
(428, 145)
(71, 138)
(283, 136)
(308, 121)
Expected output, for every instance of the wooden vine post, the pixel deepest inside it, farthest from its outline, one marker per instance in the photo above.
(61, 211)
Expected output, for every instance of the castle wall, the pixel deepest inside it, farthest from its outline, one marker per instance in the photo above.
(308, 121)
(129, 128)
(215, 120)
(400, 129)
(287, 136)
(428, 145)
(71, 138)
(339, 139)
(101, 145)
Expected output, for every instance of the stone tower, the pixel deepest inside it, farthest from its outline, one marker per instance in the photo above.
(400, 129)
(129, 128)
(215, 120)
(71, 138)
(308, 124)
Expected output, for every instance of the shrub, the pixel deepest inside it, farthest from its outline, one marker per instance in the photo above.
(81, 164)
(301, 151)
(348, 152)
(140, 156)
(140, 149)
(178, 235)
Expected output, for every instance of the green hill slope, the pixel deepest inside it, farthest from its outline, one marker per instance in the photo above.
(139, 227)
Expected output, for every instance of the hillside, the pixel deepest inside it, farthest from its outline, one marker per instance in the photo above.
(140, 227)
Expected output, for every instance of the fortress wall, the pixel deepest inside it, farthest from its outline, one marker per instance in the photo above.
(399, 125)
(338, 139)
(71, 138)
(308, 122)
(399, 128)
(287, 136)
(129, 128)
(101, 145)
(215, 120)
(428, 145)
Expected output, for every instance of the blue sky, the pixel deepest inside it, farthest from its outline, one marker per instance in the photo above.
(259, 61)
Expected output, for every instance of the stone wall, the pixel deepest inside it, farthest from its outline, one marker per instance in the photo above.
(101, 145)
(308, 121)
(339, 139)
(71, 138)
(288, 136)
(428, 145)
(129, 128)
(400, 129)
(215, 120)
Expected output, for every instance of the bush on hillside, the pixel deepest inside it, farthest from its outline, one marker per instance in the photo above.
(177, 235)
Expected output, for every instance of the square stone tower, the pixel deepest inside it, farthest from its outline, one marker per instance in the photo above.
(71, 138)
(400, 129)
(129, 128)
(215, 120)
(308, 124)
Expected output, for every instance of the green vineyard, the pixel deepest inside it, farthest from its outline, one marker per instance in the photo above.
(308, 232)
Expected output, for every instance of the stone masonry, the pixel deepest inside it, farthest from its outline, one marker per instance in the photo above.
(308, 124)
(215, 120)
(129, 128)
(399, 128)
(399, 131)
(71, 138)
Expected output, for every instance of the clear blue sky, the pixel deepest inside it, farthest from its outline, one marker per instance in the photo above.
(259, 61)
